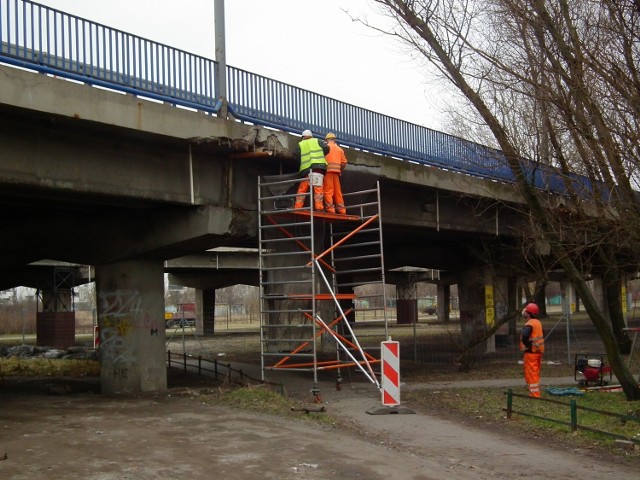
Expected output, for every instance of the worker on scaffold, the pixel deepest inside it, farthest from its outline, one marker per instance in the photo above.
(336, 162)
(311, 153)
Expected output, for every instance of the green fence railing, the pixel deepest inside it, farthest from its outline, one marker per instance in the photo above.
(572, 410)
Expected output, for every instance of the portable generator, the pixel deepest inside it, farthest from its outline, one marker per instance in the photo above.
(592, 369)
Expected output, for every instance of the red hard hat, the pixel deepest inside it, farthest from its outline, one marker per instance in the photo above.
(532, 308)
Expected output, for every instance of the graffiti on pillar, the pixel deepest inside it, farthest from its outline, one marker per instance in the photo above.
(119, 313)
(152, 325)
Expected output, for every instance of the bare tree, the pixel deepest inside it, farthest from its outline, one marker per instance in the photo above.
(555, 82)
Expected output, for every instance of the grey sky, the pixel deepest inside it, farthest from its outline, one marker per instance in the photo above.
(311, 44)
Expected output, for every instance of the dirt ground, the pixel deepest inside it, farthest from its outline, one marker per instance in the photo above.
(51, 429)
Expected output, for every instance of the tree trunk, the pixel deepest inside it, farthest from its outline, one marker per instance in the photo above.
(540, 298)
(613, 295)
(553, 36)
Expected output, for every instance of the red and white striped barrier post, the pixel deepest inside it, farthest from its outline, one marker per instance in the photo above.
(390, 384)
(390, 360)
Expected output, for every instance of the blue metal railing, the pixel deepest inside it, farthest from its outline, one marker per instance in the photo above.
(50, 41)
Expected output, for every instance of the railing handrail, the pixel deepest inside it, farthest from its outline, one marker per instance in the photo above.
(573, 415)
(214, 370)
(51, 41)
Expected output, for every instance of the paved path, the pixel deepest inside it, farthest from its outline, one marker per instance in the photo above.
(460, 450)
(181, 435)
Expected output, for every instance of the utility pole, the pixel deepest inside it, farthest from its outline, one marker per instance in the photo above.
(221, 59)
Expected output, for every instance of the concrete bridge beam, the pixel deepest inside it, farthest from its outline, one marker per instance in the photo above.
(130, 297)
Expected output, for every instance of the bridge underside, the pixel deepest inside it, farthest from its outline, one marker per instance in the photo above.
(124, 185)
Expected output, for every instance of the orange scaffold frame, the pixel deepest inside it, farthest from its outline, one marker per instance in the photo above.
(354, 354)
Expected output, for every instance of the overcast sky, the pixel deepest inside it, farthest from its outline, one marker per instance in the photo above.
(312, 44)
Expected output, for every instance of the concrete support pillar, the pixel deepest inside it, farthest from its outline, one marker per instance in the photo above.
(626, 298)
(599, 294)
(575, 301)
(502, 303)
(55, 320)
(56, 329)
(406, 303)
(205, 311)
(506, 302)
(471, 297)
(520, 297)
(568, 298)
(130, 298)
(443, 295)
(474, 294)
(348, 307)
(514, 295)
(56, 323)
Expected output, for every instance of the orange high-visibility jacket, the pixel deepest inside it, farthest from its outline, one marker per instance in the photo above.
(535, 342)
(336, 159)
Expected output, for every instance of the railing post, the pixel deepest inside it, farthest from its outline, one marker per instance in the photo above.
(169, 358)
(215, 368)
(509, 403)
(199, 365)
(574, 416)
(184, 359)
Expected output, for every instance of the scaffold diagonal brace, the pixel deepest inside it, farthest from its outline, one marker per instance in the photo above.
(371, 375)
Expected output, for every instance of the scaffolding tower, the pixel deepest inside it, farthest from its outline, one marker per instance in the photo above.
(310, 264)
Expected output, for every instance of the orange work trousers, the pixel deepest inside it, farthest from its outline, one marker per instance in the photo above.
(532, 365)
(333, 192)
(318, 195)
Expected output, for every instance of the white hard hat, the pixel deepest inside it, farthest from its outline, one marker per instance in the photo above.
(307, 133)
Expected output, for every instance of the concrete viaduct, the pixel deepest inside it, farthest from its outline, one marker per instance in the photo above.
(127, 185)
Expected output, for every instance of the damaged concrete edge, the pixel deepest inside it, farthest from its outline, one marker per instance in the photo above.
(258, 142)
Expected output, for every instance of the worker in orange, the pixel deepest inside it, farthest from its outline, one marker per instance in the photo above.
(336, 162)
(532, 343)
(311, 153)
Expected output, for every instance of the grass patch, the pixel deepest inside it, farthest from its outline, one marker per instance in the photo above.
(416, 372)
(44, 367)
(611, 402)
(487, 405)
(261, 399)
